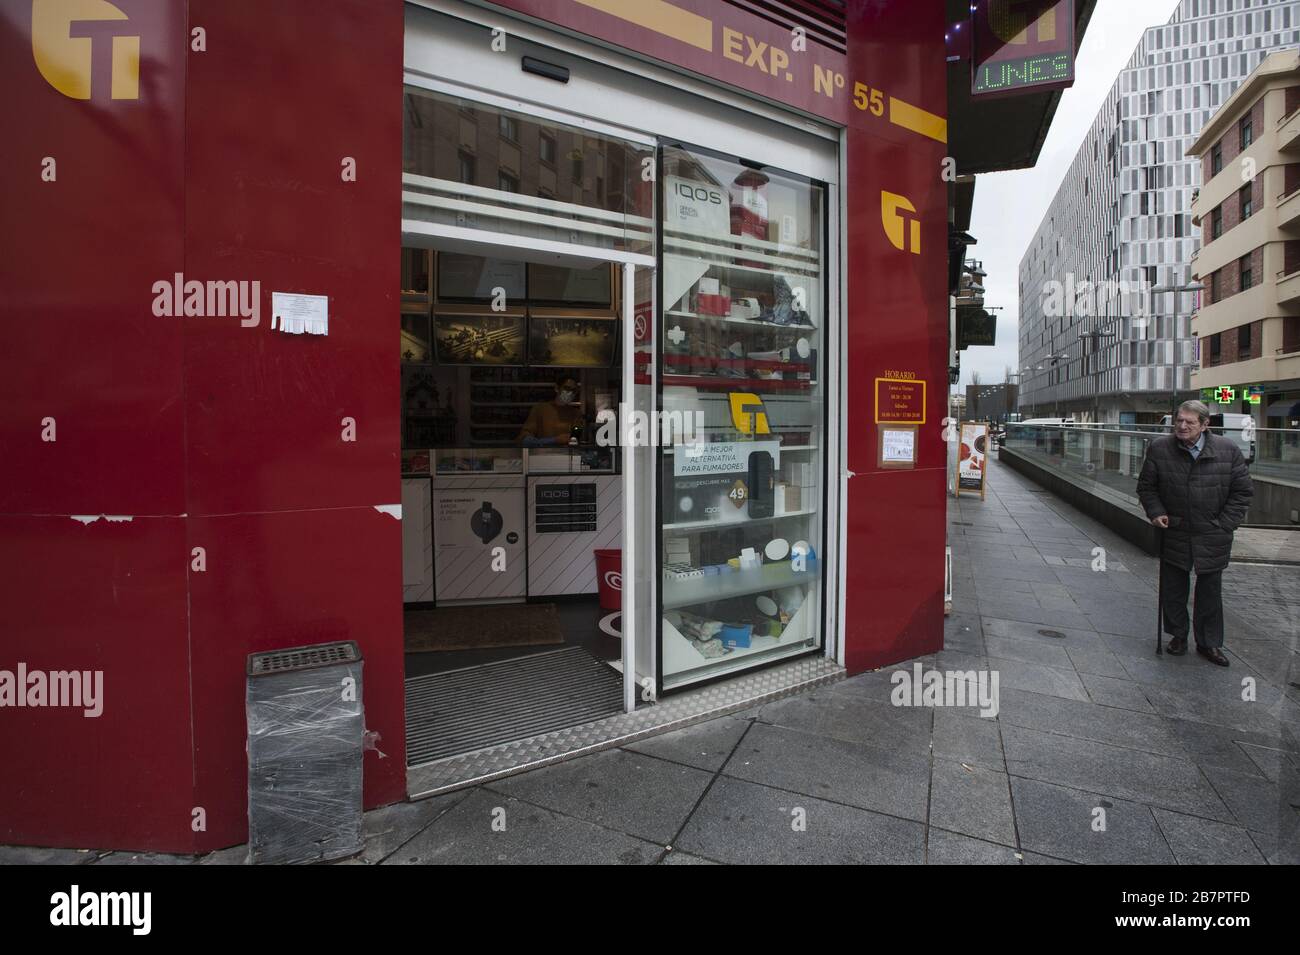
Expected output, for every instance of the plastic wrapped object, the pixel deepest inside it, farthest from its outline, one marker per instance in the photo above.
(306, 733)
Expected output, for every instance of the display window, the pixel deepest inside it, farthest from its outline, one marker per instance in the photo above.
(742, 517)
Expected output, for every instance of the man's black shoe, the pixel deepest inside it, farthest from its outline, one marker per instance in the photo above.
(1177, 646)
(1214, 655)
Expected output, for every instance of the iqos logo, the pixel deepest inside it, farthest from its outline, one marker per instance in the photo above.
(892, 207)
(699, 193)
(79, 50)
(1010, 19)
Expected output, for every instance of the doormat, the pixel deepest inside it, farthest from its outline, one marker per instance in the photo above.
(477, 628)
(469, 709)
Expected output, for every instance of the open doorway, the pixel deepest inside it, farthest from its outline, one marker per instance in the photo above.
(513, 493)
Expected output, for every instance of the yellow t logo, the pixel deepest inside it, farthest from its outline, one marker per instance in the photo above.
(1012, 25)
(748, 414)
(892, 219)
(64, 36)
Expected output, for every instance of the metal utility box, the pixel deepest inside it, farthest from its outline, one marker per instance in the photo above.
(306, 725)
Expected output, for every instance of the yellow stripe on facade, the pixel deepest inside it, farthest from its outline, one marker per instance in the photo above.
(662, 17)
(918, 120)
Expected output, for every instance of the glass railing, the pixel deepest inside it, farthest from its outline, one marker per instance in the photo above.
(1108, 458)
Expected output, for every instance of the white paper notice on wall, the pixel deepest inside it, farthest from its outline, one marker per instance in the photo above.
(899, 446)
(299, 314)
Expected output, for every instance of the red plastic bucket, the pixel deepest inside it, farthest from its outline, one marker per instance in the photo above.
(609, 578)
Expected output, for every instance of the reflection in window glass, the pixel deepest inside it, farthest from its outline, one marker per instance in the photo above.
(743, 273)
(597, 181)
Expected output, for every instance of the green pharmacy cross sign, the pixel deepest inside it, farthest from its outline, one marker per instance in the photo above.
(1225, 395)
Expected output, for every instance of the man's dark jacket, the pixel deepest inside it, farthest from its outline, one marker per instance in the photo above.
(1206, 499)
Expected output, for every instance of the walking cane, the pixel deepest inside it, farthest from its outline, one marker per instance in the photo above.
(1160, 594)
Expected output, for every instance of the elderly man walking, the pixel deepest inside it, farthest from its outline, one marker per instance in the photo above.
(1196, 486)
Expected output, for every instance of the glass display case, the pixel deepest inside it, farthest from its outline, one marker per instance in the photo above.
(742, 519)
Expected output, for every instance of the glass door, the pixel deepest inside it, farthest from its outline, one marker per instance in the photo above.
(741, 390)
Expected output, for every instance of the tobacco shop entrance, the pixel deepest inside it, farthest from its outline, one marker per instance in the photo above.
(618, 339)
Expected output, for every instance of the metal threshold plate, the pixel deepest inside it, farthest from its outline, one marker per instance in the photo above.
(676, 712)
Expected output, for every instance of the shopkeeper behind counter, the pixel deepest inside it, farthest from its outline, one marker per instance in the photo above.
(556, 421)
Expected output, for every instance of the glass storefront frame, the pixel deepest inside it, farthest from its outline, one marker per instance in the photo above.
(797, 152)
(767, 579)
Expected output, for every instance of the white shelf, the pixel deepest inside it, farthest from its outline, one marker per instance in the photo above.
(784, 448)
(693, 525)
(739, 583)
(740, 321)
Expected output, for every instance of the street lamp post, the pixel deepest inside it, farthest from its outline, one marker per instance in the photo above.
(1177, 290)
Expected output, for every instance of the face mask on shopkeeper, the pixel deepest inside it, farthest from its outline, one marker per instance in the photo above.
(565, 397)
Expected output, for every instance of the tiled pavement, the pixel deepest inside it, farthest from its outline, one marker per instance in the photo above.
(1100, 752)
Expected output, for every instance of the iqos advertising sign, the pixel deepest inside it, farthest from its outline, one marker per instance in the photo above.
(1021, 46)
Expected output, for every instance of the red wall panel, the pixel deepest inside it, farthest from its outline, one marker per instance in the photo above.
(106, 596)
(285, 93)
(896, 320)
(78, 259)
(227, 167)
(286, 579)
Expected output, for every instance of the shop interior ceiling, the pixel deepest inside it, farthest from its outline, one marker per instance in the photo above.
(988, 135)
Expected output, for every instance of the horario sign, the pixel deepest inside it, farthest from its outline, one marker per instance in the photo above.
(1021, 46)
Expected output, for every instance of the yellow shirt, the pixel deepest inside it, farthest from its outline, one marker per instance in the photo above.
(549, 420)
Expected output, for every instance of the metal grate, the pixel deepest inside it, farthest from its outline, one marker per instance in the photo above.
(469, 709)
(303, 658)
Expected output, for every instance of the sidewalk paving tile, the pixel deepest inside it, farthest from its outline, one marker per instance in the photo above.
(1030, 651)
(857, 720)
(1129, 774)
(704, 745)
(1057, 821)
(950, 848)
(973, 801)
(856, 774)
(532, 836)
(1036, 678)
(1197, 841)
(642, 796)
(1122, 694)
(1089, 721)
(743, 823)
(977, 742)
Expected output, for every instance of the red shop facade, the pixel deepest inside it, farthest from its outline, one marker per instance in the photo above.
(185, 489)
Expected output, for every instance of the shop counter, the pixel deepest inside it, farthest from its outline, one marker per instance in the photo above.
(502, 524)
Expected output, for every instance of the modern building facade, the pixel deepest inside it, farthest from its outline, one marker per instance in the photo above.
(992, 402)
(1248, 326)
(1098, 341)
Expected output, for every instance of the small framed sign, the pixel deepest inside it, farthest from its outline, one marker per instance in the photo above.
(897, 446)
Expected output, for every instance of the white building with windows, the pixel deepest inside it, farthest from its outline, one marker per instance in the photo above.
(1096, 340)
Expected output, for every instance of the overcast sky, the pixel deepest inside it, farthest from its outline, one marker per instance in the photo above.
(1010, 205)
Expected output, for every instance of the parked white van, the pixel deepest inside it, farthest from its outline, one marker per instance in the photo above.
(1234, 427)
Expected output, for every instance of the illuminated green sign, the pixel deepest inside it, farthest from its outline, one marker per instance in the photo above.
(1021, 46)
(1032, 71)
